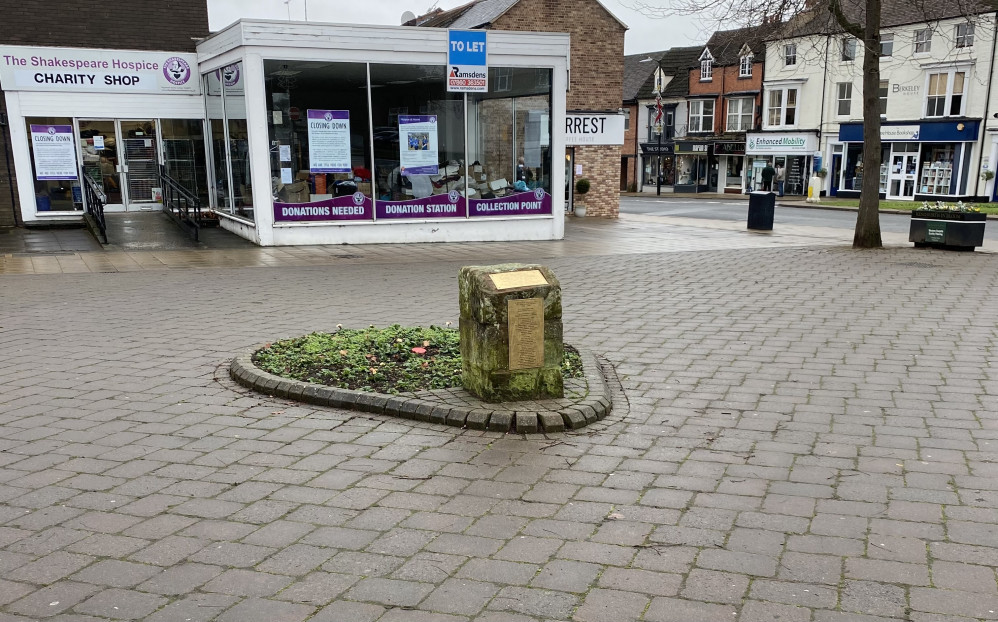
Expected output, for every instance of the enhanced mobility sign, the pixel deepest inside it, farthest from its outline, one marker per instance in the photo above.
(467, 61)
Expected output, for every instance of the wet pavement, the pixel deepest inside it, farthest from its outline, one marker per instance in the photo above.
(801, 432)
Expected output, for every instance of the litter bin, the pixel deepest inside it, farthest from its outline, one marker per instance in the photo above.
(761, 206)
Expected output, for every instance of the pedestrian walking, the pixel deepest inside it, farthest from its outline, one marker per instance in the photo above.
(767, 177)
(781, 177)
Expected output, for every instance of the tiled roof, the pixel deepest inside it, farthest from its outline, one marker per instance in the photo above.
(475, 14)
(639, 77)
(638, 70)
(725, 45)
(819, 20)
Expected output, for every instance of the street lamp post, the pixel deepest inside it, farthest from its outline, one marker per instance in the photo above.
(658, 131)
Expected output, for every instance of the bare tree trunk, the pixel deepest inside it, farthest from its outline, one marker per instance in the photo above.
(867, 234)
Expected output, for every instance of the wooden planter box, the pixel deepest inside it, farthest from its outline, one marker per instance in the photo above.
(961, 231)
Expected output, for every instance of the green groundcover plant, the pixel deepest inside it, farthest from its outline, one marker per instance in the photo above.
(384, 360)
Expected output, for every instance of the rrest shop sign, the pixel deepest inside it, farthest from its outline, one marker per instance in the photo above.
(79, 70)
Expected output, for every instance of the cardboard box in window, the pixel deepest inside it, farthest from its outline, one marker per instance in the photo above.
(364, 187)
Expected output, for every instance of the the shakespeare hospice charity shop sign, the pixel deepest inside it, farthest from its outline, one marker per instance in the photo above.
(354, 207)
(97, 71)
(789, 142)
(532, 203)
(55, 151)
(594, 129)
(418, 145)
(467, 61)
(329, 141)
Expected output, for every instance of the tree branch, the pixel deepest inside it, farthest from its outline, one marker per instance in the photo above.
(851, 27)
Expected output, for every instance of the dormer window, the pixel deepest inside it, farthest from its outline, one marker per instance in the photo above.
(706, 66)
(745, 58)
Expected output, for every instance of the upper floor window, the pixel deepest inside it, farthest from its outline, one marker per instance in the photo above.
(944, 96)
(627, 119)
(964, 35)
(740, 112)
(844, 99)
(745, 66)
(887, 44)
(503, 78)
(706, 70)
(882, 92)
(848, 49)
(702, 115)
(790, 54)
(923, 40)
(781, 107)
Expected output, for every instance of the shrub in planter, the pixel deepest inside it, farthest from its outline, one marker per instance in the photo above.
(582, 186)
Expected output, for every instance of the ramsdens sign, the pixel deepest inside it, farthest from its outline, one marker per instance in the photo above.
(467, 61)
(97, 71)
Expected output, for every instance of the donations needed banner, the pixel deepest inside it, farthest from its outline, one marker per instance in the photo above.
(24, 68)
(357, 206)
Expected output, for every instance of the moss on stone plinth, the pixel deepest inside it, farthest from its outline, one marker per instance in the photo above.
(484, 327)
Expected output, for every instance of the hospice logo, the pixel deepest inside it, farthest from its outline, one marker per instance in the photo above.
(176, 71)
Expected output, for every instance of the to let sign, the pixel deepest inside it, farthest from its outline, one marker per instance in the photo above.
(467, 61)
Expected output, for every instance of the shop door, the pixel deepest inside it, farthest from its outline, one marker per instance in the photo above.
(836, 173)
(100, 156)
(140, 165)
(901, 176)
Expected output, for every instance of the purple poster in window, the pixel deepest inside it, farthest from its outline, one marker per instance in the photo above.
(418, 144)
(54, 150)
(449, 205)
(329, 141)
(354, 207)
(520, 204)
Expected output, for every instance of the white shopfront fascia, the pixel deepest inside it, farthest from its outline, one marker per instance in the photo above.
(594, 128)
(781, 143)
(26, 98)
(252, 41)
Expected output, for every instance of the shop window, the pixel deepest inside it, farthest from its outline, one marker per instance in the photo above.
(184, 155)
(706, 70)
(509, 137)
(702, 115)
(627, 119)
(502, 79)
(740, 111)
(887, 44)
(225, 100)
(745, 66)
(848, 49)
(844, 108)
(964, 35)
(416, 96)
(55, 164)
(923, 41)
(945, 94)
(790, 54)
(319, 131)
(883, 91)
(781, 107)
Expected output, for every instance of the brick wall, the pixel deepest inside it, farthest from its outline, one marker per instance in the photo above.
(7, 218)
(137, 24)
(726, 80)
(167, 25)
(597, 74)
(630, 148)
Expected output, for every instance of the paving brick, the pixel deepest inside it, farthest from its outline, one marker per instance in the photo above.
(391, 592)
(677, 610)
(239, 582)
(262, 610)
(460, 596)
(126, 604)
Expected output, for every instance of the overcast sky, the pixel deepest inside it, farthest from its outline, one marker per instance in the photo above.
(644, 35)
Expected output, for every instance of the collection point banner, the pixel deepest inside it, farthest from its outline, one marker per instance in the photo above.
(529, 203)
(329, 141)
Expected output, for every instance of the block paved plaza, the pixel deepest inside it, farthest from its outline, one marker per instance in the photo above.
(801, 432)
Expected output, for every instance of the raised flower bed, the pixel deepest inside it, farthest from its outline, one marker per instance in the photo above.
(954, 227)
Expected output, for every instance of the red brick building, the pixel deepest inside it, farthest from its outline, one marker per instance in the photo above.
(724, 101)
(597, 69)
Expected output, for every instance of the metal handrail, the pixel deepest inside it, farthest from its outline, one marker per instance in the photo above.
(180, 203)
(95, 202)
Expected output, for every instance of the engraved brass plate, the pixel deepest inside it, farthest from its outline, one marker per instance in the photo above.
(526, 333)
(522, 278)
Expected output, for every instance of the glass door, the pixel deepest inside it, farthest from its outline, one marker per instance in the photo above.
(901, 178)
(140, 171)
(101, 160)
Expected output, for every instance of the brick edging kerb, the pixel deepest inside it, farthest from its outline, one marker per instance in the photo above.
(591, 408)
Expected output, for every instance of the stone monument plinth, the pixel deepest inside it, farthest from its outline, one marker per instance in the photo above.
(511, 333)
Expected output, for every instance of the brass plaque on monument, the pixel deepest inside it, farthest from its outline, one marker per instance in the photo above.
(521, 278)
(526, 333)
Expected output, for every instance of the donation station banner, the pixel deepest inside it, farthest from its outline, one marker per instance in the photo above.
(449, 205)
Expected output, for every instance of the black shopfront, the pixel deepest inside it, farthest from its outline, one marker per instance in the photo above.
(696, 167)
